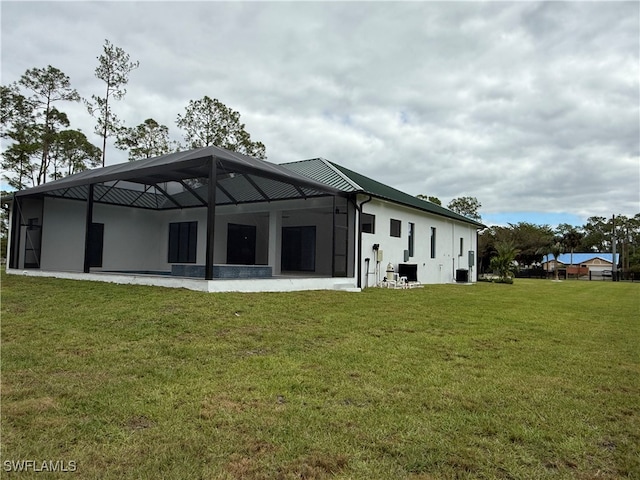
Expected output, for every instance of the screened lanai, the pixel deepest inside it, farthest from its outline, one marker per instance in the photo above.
(61, 221)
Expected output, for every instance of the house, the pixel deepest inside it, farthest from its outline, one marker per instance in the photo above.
(583, 263)
(214, 220)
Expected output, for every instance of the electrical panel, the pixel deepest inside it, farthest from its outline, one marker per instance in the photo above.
(472, 258)
(379, 256)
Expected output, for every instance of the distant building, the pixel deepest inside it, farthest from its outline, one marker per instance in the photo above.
(583, 263)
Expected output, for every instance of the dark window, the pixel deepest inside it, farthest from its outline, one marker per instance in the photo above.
(183, 237)
(433, 242)
(299, 249)
(395, 228)
(412, 228)
(96, 244)
(241, 244)
(461, 246)
(368, 223)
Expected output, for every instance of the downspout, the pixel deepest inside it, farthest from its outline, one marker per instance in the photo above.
(477, 253)
(453, 250)
(477, 249)
(359, 209)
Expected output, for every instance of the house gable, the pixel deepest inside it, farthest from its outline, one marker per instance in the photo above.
(595, 258)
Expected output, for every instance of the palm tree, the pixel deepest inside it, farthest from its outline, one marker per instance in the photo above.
(502, 262)
(556, 249)
(571, 239)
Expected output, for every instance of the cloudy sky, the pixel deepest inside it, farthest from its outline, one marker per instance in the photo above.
(531, 107)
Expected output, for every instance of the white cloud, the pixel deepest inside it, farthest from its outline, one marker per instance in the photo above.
(527, 106)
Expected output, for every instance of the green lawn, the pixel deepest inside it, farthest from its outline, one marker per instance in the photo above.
(532, 380)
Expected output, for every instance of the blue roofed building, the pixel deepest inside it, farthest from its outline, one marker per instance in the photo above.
(585, 263)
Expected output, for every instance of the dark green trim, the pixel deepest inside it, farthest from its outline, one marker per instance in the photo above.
(385, 192)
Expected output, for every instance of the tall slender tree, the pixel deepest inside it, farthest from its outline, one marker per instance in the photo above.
(48, 85)
(19, 127)
(114, 67)
(31, 120)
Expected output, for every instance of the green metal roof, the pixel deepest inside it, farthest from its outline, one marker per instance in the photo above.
(349, 181)
(323, 171)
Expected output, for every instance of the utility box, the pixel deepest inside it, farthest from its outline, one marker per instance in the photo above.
(409, 270)
(472, 259)
(462, 275)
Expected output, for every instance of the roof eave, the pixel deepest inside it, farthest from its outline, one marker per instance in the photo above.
(459, 218)
(143, 171)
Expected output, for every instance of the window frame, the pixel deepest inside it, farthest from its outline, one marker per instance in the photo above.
(363, 221)
(183, 242)
(433, 242)
(398, 226)
(299, 248)
(411, 239)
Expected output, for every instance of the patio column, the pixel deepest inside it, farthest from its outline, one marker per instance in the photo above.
(211, 219)
(275, 240)
(87, 231)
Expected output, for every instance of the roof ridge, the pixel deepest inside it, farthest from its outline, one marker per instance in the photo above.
(333, 167)
(586, 256)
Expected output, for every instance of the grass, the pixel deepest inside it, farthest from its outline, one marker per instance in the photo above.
(532, 380)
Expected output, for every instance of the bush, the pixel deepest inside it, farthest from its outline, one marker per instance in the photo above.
(508, 280)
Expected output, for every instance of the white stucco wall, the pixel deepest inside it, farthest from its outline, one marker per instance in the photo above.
(440, 269)
(134, 239)
(63, 231)
(138, 239)
(130, 237)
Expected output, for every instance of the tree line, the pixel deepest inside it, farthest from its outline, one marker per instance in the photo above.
(505, 249)
(42, 145)
(524, 245)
